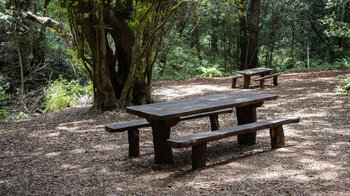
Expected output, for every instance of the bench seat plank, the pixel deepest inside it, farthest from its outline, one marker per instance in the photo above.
(268, 76)
(124, 126)
(200, 138)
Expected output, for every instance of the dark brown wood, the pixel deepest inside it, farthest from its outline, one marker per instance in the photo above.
(214, 122)
(234, 80)
(205, 114)
(161, 115)
(124, 126)
(199, 141)
(268, 76)
(262, 84)
(133, 132)
(200, 138)
(254, 71)
(162, 149)
(185, 107)
(133, 138)
(262, 79)
(199, 155)
(277, 137)
(246, 115)
(246, 81)
(275, 82)
(249, 72)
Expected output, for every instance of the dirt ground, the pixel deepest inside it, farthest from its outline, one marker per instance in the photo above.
(69, 153)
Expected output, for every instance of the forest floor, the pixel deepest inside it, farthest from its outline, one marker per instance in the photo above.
(68, 152)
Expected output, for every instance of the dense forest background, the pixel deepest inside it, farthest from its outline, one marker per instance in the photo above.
(52, 52)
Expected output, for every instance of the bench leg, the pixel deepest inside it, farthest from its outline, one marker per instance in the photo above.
(277, 137)
(214, 122)
(246, 115)
(275, 83)
(234, 82)
(262, 84)
(199, 155)
(134, 146)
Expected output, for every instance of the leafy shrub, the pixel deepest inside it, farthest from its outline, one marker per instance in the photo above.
(62, 93)
(211, 71)
(4, 98)
(345, 86)
(4, 86)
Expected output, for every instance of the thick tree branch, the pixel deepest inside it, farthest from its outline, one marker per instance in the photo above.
(48, 22)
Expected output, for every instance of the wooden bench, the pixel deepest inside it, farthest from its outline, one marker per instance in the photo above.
(234, 80)
(199, 141)
(133, 128)
(262, 79)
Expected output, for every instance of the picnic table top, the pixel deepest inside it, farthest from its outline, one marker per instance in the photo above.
(183, 107)
(253, 71)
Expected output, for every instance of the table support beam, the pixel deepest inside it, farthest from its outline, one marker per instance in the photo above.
(161, 133)
(246, 81)
(247, 114)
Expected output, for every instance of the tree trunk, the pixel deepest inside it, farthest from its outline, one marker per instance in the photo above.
(253, 42)
(243, 37)
(105, 95)
(198, 45)
(346, 40)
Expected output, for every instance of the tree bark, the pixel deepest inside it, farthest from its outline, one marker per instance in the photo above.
(253, 41)
(243, 37)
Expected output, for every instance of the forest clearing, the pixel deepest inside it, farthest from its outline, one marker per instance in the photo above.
(68, 152)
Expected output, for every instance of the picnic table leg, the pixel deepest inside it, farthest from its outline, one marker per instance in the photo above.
(134, 146)
(246, 81)
(162, 149)
(247, 114)
(214, 122)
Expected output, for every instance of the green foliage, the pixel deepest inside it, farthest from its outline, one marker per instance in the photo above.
(4, 98)
(182, 62)
(62, 93)
(345, 86)
(211, 71)
(4, 86)
(315, 64)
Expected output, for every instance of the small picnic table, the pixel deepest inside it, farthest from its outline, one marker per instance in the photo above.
(164, 115)
(255, 71)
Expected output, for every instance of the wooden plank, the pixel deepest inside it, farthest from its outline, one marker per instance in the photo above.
(265, 77)
(196, 139)
(123, 126)
(205, 114)
(184, 107)
(246, 115)
(120, 127)
(254, 71)
(236, 76)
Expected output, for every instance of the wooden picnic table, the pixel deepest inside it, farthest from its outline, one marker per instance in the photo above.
(249, 72)
(165, 115)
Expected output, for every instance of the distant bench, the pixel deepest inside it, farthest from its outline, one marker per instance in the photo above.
(133, 126)
(199, 141)
(234, 80)
(262, 79)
